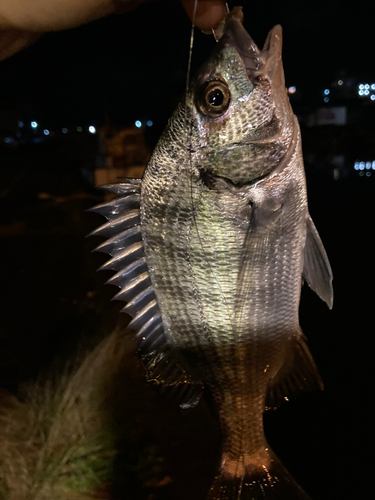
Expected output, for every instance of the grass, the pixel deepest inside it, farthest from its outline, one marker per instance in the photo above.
(57, 438)
(98, 431)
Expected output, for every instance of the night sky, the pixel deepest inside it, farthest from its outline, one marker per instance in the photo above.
(134, 65)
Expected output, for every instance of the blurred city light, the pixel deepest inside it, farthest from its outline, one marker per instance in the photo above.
(46, 132)
(340, 82)
(150, 123)
(64, 130)
(326, 92)
(364, 90)
(368, 174)
(8, 140)
(138, 124)
(20, 124)
(34, 124)
(292, 90)
(326, 99)
(79, 129)
(92, 129)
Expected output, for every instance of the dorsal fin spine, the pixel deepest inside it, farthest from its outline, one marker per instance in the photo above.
(133, 287)
(120, 242)
(153, 339)
(147, 327)
(139, 301)
(112, 209)
(122, 188)
(112, 227)
(129, 272)
(144, 315)
(129, 255)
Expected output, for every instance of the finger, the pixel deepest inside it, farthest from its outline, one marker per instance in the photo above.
(209, 12)
(51, 15)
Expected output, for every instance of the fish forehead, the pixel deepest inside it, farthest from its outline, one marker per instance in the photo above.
(249, 106)
(228, 64)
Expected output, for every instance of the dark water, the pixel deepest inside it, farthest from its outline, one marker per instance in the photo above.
(53, 300)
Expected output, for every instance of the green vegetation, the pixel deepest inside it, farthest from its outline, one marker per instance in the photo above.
(57, 440)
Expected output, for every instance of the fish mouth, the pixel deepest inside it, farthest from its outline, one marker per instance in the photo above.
(257, 62)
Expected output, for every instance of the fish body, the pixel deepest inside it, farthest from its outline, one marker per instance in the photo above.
(224, 239)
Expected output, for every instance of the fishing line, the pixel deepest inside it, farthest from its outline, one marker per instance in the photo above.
(191, 46)
(194, 206)
(189, 129)
(190, 151)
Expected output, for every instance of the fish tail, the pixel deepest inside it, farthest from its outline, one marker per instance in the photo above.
(245, 479)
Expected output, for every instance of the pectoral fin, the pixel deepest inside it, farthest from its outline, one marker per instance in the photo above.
(317, 270)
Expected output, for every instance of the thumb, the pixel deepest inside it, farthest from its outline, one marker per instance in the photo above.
(209, 12)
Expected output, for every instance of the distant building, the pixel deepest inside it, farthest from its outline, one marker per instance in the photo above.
(347, 100)
(333, 115)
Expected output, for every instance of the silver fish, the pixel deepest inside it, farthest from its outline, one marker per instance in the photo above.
(211, 249)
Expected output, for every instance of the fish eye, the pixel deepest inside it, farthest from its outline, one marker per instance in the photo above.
(214, 98)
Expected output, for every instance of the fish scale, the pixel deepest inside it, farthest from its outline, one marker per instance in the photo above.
(210, 251)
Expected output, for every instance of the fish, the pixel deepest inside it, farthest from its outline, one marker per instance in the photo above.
(211, 249)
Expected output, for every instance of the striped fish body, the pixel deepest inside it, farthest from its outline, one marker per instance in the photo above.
(210, 251)
(235, 330)
(212, 296)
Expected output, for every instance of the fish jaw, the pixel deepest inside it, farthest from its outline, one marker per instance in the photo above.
(237, 37)
(259, 64)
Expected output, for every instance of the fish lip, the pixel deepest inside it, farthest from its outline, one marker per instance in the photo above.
(236, 36)
(257, 62)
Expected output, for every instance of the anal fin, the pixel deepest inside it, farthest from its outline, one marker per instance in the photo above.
(298, 373)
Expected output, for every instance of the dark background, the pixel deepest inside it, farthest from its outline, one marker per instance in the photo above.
(128, 65)
(131, 67)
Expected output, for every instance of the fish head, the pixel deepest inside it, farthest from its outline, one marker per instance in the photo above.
(240, 116)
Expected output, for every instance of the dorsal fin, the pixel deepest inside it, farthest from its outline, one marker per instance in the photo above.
(163, 363)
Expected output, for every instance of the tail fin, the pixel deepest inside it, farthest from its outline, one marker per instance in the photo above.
(243, 480)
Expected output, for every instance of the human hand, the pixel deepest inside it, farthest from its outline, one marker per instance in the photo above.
(24, 21)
